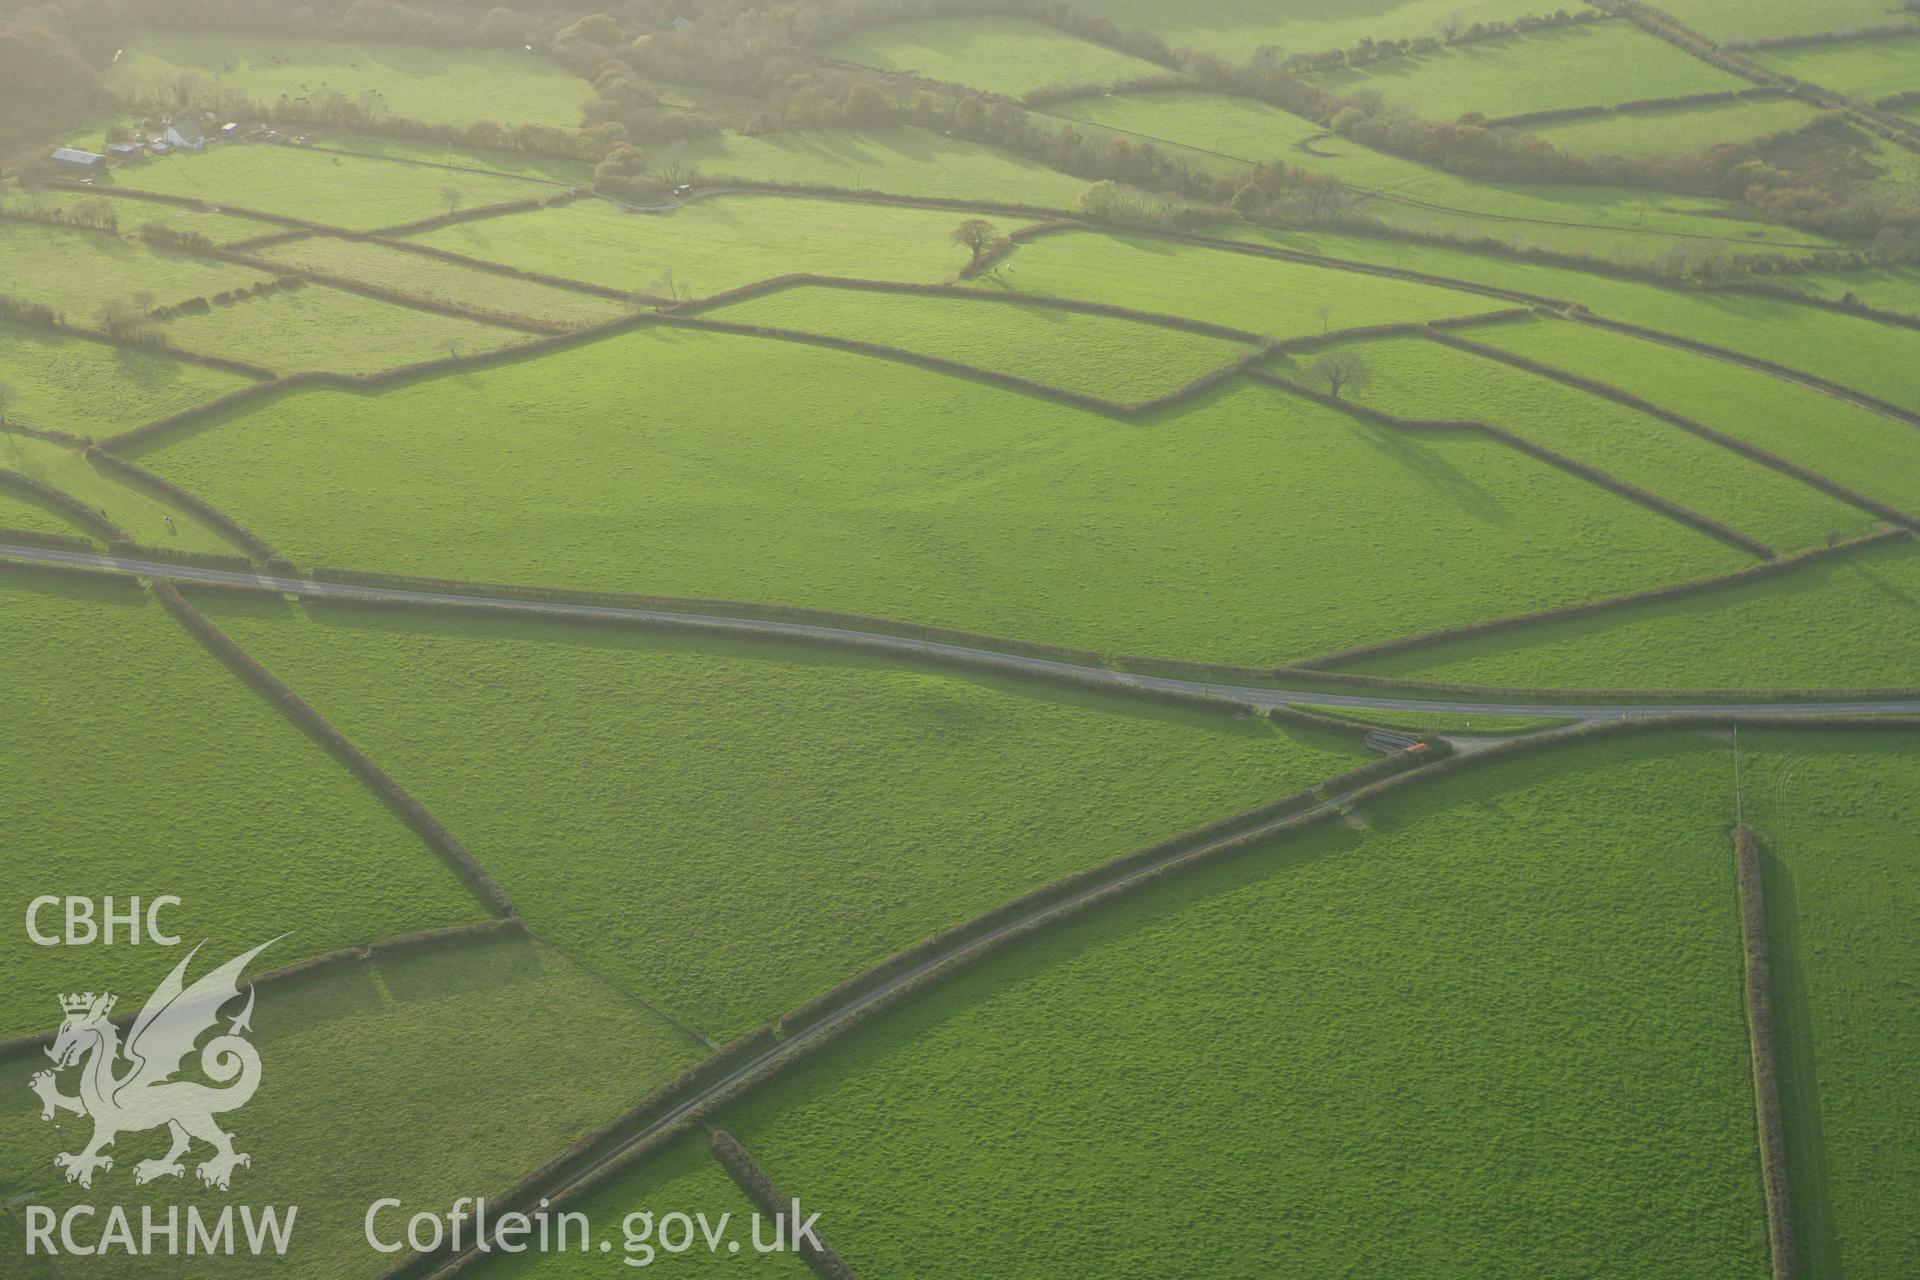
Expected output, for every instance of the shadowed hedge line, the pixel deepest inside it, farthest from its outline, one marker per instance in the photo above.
(878, 975)
(79, 572)
(858, 195)
(458, 935)
(1553, 114)
(155, 346)
(176, 555)
(1674, 591)
(803, 279)
(1839, 390)
(411, 811)
(503, 269)
(172, 492)
(71, 507)
(765, 1193)
(381, 293)
(1758, 987)
(994, 377)
(52, 541)
(183, 202)
(46, 433)
(1572, 466)
(598, 1144)
(1753, 452)
(479, 212)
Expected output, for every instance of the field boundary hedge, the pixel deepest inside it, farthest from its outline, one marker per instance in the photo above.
(381, 293)
(532, 204)
(51, 541)
(1752, 452)
(505, 269)
(183, 202)
(167, 489)
(456, 935)
(1572, 466)
(177, 555)
(760, 1188)
(1755, 93)
(50, 434)
(82, 572)
(1758, 987)
(411, 811)
(75, 510)
(1672, 591)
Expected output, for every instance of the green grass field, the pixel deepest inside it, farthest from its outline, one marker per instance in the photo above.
(324, 328)
(503, 1053)
(1888, 288)
(133, 509)
(71, 384)
(1577, 66)
(1283, 299)
(1235, 29)
(78, 272)
(425, 277)
(1836, 815)
(1463, 1039)
(1118, 359)
(1261, 527)
(443, 86)
(1415, 378)
(135, 213)
(1675, 130)
(1746, 20)
(338, 189)
(728, 829)
(714, 244)
(1848, 623)
(530, 167)
(898, 161)
(1865, 69)
(1874, 455)
(1220, 134)
(149, 768)
(999, 54)
(21, 510)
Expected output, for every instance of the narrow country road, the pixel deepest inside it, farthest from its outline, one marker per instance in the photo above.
(1251, 695)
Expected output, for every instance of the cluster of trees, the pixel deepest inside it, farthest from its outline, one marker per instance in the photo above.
(94, 214)
(1450, 29)
(43, 78)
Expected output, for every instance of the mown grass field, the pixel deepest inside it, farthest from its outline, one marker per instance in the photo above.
(1836, 815)
(898, 161)
(1583, 65)
(147, 767)
(999, 54)
(714, 244)
(71, 384)
(133, 509)
(1282, 299)
(335, 188)
(1465, 1037)
(318, 327)
(1874, 455)
(1416, 378)
(78, 272)
(1675, 130)
(1259, 527)
(422, 276)
(1745, 20)
(1228, 134)
(1117, 359)
(1234, 29)
(443, 86)
(1846, 623)
(1866, 69)
(728, 829)
(503, 1053)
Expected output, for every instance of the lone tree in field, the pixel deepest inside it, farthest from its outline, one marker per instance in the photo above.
(1341, 370)
(453, 196)
(976, 235)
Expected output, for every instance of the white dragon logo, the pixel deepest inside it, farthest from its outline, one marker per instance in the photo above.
(145, 1095)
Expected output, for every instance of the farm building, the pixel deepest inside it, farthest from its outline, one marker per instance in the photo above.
(123, 152)
(185, 134)
(74, 160)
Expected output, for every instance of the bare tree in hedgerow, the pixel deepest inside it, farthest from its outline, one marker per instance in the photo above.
(976, 235)
(1342, 370)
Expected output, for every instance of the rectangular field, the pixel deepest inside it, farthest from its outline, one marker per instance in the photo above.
(1247, 527)
(1578, 66)
(1122, 360)
(1674, 130)
(1865, 69)
(1734, 20)
(999, 54)
(78, 272)
(727, 829)
(1836, 813)
(1848, 623)
(146, 766)
(71, 384)
(898, 161)
(1236, 29)
(411, 81)
(1490, 1012)
(1416, 378)
(714, 244)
